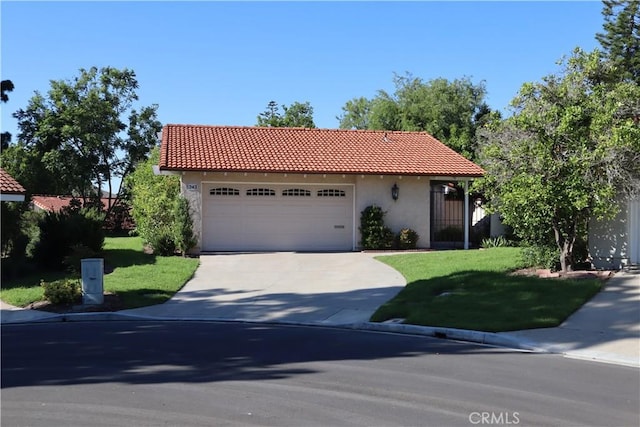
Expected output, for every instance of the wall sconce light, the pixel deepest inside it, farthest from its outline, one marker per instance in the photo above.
(395, 192)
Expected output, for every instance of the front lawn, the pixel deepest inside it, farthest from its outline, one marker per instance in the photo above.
(139, 279)
(473, 290)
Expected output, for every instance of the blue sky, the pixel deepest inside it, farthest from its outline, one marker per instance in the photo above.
(222, 62)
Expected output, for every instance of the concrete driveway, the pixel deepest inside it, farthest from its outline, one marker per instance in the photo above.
(320, 288)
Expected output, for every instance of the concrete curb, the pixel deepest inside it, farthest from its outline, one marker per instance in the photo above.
(397, 328)
(480, 337)
(502, 340)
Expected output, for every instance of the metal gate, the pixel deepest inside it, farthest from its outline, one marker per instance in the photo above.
(447, 216)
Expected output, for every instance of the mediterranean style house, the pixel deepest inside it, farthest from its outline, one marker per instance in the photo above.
(299, 189)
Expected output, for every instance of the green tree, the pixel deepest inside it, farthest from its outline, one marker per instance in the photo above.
(296, 115)
(356, 114)
(570, 149)
(5, 86)
(85, 133)
(154, 197)
(621, 37)
(183, 235)
(449, 110)
(270, 117)
(25, 164)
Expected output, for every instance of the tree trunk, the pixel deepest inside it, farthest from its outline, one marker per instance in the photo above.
(565, 258)
(565, 245)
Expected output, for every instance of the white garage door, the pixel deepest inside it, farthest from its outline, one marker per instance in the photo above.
(281, 217)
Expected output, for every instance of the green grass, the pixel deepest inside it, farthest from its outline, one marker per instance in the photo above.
(139, 279)
(479, 293)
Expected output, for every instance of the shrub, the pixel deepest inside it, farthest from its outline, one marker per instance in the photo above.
(541, 256)
(153, 199)
(375, 235)
(10, 226)
(61, 231)
(183, 236)
(162, 243)
(73, 261)
(19, 227)
(30, 226)
(407, 239)
(64, 291)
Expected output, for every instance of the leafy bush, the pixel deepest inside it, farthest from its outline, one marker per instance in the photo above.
(10, 217)
(375, 235)
(19, 227)
(61, 231)
(183, 236)
(64, 291)
(162, 243)
(30, 228)
(73, 261)
(153, 200)
(407, 239)
(541, 256)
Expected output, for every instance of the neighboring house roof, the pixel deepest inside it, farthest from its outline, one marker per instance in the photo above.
(55, 203)
(9, 185)
(10, 189)
(302, 150)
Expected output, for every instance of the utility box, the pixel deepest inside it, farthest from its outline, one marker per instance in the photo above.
(92, 280)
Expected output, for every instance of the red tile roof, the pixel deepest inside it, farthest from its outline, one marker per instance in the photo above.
(300, 150)
(55, 203)
(9, 185)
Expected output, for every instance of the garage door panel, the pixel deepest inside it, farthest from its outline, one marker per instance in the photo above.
(295, 221)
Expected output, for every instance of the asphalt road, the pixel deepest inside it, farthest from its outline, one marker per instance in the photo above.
(209, 374)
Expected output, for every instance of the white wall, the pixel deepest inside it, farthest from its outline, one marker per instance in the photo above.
(615, 243)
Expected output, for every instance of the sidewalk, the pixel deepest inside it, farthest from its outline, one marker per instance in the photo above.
(606, 329)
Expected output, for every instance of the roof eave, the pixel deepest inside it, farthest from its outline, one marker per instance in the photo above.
(163, 170)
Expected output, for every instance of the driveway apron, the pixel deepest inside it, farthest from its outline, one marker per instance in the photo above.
(288, 287)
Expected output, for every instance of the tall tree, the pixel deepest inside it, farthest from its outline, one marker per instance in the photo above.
(296, 115)
(570, 149)
(449, 110)
(621, 37)
(356, 114)
(85, 132)
(5, 86)
(270, 117)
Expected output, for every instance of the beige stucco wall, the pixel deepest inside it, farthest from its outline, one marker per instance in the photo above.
(195, 201)
(411, 210)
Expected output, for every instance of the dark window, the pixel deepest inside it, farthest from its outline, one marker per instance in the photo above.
(296, 192)
(331, 192)
(261, 192)
(224, 191)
